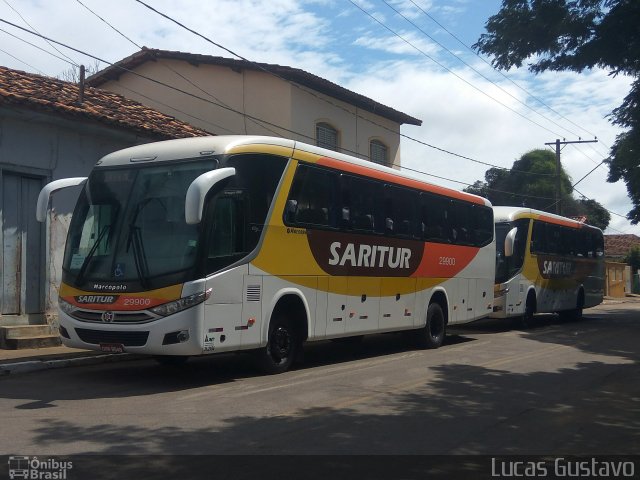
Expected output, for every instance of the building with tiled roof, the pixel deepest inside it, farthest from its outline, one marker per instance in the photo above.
(229, 96)
(52, 129)
(49, 95)
(618, 246)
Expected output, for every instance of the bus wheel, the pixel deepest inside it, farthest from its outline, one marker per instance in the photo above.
(433, 333)
(171, 360)
(575, 314)
(282, 347)
(529, 310)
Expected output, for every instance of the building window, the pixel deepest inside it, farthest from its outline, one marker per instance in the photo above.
(326, 136)
(378, 152)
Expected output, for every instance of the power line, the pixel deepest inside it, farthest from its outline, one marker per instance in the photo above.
(478, 72)
(208, 101)
(33, 44)
(277, 126)
(263, 68)
(21, 61)
(500, 72)
(441, 65)
(171, 69)
(34, 29)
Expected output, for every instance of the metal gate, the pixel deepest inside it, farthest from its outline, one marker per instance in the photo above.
(22, 246)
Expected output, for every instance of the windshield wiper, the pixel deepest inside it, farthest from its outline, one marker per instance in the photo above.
(85, 263)
(139, 255)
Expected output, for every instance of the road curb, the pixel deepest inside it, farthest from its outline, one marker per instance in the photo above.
(44, 364)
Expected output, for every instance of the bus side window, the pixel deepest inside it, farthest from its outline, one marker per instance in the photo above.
(461, 223)
(481, 218)
(400, 205)
(435, 216)
(363, 196)
(312, 198)
(538, 237)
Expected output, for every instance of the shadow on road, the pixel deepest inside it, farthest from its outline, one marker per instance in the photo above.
(588, 407)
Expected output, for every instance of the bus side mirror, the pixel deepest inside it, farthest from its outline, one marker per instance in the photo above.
(49, 189)
(509, 242)
(197, 192)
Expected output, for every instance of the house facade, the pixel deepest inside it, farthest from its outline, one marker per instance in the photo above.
(228, 96)
(50, 129)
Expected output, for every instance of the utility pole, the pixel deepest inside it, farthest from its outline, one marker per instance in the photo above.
(558, 143)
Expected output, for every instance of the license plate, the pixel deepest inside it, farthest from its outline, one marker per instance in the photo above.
(112, 347)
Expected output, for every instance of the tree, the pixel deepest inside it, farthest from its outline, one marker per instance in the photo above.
(577, 35)
(633, 259)
(595, 213)
(72, 74)
(531, 182)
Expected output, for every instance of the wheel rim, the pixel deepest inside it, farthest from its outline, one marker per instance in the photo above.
(281, 344)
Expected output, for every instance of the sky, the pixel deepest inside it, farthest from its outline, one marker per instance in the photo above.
(411, 55)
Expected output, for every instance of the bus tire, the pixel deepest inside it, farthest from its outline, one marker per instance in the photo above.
(576, 313)
(527, 318)
(171, 360)
(283, 346)
(433, 333)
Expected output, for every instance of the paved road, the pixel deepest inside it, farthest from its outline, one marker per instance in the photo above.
(559, 388)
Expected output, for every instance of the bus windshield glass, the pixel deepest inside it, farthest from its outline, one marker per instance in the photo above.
(129, 226)
(507, 267)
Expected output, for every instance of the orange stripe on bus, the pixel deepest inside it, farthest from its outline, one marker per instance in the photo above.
(389, 177)
(558, 221)
(444, 260)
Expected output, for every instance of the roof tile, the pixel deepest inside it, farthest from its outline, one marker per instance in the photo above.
(52, 95)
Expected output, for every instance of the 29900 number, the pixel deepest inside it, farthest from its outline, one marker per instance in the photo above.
(137, 302)
(449, 261)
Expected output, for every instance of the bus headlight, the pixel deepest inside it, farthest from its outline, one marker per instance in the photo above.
(65, 306)
(500, 293)
(181, 304)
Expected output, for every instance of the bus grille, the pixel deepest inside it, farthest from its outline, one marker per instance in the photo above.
(119, 317)
(128, 339)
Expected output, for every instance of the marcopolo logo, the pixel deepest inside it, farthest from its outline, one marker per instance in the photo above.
(38, 469)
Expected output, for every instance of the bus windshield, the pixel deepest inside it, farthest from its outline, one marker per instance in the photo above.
(507, 267)
(129, 226)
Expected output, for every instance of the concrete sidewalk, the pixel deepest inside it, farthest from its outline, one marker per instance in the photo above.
(34, 359)
(30, 360)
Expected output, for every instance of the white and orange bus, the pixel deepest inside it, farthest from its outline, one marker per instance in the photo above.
(218, 244)
(545, 263)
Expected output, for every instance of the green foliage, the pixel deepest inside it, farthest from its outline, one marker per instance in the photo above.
(576, 35)
(531, 182)
(633, 259)
(596, 214)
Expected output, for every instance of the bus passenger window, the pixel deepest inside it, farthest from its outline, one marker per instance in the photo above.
(312, 199)
(539, 238)
(481, 225)
(400, 207)
(435, 217)
(363, 205)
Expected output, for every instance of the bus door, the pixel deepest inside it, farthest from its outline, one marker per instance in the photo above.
(518, 284)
